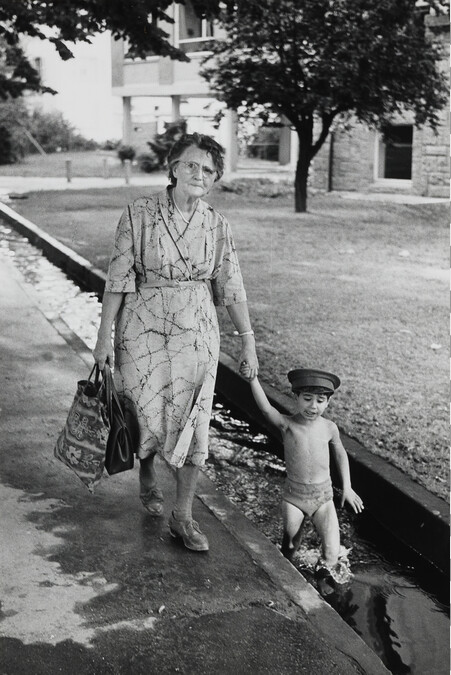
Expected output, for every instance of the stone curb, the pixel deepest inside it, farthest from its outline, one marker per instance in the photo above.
(75, 266)
(414, 515)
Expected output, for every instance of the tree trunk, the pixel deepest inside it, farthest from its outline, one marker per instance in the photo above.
(305, 135)
(300, 184)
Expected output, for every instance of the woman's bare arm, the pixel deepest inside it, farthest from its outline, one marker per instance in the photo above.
(104, 347)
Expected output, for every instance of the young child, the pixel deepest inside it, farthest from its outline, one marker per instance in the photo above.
(307, 437)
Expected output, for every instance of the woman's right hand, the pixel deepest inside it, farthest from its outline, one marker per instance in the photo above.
(103, 351)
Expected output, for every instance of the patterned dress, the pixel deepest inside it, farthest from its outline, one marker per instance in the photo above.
(166, 331)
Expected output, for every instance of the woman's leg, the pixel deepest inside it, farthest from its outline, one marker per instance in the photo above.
(187, 477)
(151, 495)
(147, 473)
(181, 522)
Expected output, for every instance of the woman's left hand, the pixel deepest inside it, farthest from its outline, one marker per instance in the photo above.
(248, 355)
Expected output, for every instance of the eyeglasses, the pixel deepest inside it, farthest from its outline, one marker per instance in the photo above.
(193, 168)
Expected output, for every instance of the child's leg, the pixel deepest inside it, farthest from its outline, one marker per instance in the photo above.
(293, 520)
(325, 521)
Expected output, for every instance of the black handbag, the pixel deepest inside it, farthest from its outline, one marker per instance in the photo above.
(119, 454)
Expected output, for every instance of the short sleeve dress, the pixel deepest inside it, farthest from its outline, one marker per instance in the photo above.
(166, 331)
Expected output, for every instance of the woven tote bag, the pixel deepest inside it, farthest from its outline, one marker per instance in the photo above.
(82, 443)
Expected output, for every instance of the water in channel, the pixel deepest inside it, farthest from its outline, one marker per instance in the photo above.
(400, 611)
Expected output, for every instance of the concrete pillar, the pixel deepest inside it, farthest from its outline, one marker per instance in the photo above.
(379, 157)
(294, 149)
(126, 120)
(175, 100)
(285, 143)
(230, 125)
(127, 170)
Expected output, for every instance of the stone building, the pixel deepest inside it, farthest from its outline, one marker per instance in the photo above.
(404, 158)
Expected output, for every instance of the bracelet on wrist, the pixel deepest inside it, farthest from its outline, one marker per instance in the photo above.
(246, 332)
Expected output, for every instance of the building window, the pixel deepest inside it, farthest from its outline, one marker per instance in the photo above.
(395, 152)
(37, 64)
(195, 34)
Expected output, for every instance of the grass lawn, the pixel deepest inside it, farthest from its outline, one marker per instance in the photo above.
(360, 288)
(89, 163)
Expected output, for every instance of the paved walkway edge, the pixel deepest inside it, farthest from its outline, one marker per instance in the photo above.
(414, 515)
(74, 265)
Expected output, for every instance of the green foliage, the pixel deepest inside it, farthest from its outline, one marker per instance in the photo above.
(16, 72)
(54, 133)
(126, 152)
(13, 141)
(111, 144)
(162, 143)
(137, 22)
(322, 57)
(148, 162)
(314, 61)
(51, 131)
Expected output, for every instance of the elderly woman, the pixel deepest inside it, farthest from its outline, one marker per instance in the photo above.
(173, 260)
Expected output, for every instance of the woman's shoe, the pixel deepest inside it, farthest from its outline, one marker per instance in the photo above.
(189, 531)
(152, 501)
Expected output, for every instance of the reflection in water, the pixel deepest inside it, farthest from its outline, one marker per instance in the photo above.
(383, 602)
(58, 295)
(406, 627)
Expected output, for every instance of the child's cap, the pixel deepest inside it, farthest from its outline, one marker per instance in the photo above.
(306, 377)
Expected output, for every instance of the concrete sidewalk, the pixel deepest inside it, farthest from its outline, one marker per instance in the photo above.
(18, 186)
(92, 584)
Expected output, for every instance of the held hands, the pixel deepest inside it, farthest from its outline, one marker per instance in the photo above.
(353, 499)
(248, 363)
(245, 370)
(103, 351)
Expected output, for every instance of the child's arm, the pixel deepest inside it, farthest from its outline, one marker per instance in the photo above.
(341, 458)
(271, 413)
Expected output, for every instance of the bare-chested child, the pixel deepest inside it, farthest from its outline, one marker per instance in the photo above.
(307, 437)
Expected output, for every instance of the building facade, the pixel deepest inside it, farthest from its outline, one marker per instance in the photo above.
(83, 85)
(155, 90)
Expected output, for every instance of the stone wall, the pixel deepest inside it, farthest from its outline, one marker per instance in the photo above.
(430, 164)
(350, 161)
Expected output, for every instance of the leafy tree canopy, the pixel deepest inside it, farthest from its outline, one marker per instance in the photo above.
(67, 21)
(328, 57)
(316, 60)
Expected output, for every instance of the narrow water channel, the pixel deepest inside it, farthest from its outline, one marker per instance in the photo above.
(398, 608)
